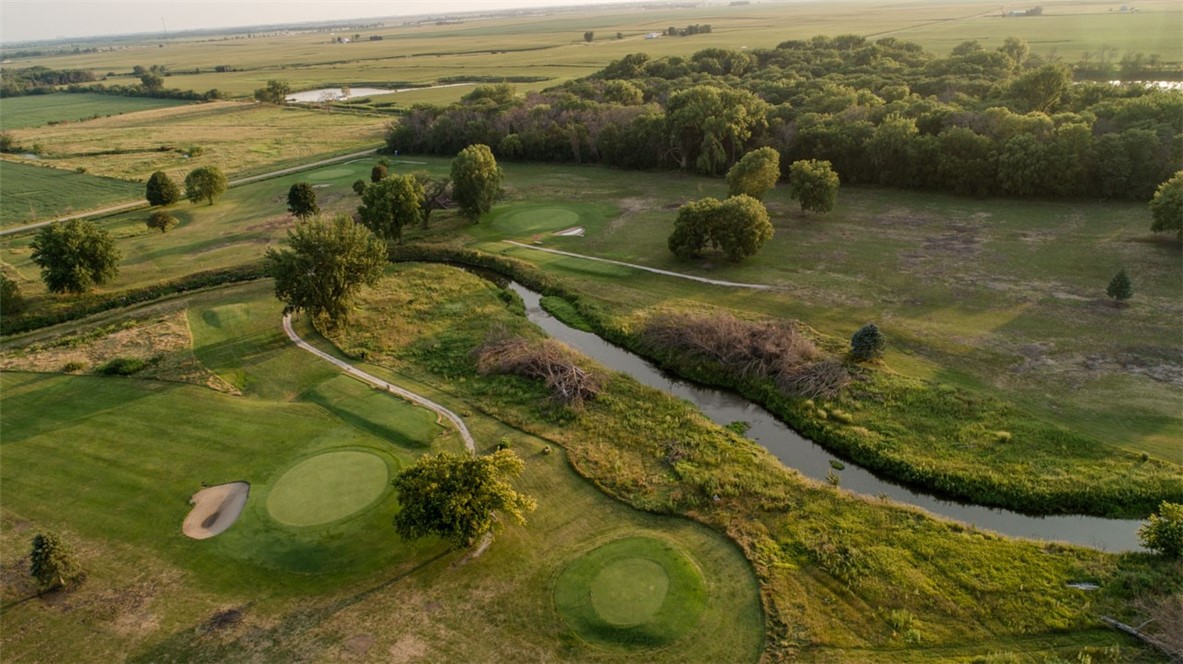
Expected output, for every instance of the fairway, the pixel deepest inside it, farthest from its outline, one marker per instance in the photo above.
(328, 487)
(34, 193)
(633, 592)
(37, 110)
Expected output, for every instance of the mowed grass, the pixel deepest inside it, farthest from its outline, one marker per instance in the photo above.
(235, 137)
(34, 193)
(1002, 295)
(551, 45)
(37, 110)
(329, 486)
(264, 590)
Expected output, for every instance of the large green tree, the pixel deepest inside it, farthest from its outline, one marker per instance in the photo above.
(390, 204)
(11, 300)
(324, 266)
(755, 173)
(1166, 207)
(52, 563)
(205, 182)
(162, 190)
(813, 184)
(738, 226)
(302, 200)
(74, 256)
(276, 92)
(1163, 532)
(476, 181)
(459, 498)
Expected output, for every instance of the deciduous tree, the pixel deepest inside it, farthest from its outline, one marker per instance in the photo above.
(1163, 531)
(813, 184)
(755, 173)
(325, 265)
(206, 182)
(476, 181)
(11, 300)
(459, 498)
(738, 226)
(162, 190)
(161, 220)
(276, 92)
(302, 200)
(1166, 207)
(52, 563)
(74, 256)
(390, 204)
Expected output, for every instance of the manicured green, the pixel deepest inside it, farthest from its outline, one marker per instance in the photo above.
(37, 110)
(328, 487)
(638, 591)
(33, 193)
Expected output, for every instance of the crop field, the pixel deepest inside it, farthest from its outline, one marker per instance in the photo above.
(320, 581)
(34, 193)
(37, 110)
(235, 137)
(551, 46)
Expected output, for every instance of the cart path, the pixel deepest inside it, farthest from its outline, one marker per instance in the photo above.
(382, 384)
(705, 280)
(233, 183)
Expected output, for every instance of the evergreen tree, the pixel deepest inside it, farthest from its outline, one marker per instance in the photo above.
(1119, 288)
(867, 343)
(53, 564)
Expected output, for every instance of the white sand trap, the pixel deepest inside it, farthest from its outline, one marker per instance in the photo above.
(574, 231)
(215, 509)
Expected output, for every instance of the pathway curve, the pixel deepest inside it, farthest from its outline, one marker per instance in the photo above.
(382, 384)
(715, 282)
(233, 183)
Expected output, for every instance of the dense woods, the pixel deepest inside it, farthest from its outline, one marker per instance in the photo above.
(978, 121)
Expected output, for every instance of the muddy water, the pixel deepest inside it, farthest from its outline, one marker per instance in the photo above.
(797, 452)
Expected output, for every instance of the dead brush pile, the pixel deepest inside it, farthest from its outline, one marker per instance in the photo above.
(748, 350)
(547, 360)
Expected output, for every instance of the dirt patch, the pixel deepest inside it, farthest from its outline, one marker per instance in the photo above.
(359, 645)
(215, 509)
(408, 648)
(162, 340)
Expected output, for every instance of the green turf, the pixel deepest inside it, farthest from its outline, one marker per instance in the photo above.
(634, 592)
(33, 193)
(328, 487)
(36, 110)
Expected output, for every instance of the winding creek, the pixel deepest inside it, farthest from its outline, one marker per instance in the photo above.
(810, 459)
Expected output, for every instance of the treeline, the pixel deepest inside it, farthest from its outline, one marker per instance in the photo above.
(40, 80)
(977, 121)
(43, 81)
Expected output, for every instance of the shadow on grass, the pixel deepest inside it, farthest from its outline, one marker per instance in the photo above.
(217, 639)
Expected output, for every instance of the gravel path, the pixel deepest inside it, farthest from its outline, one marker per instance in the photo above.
(715, 282)
(233, 183)
(382, 384)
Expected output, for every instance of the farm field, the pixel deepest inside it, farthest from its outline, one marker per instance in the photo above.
(35, 193)
(316, 589)
(38, 110)
(551, 46)
(236, 137)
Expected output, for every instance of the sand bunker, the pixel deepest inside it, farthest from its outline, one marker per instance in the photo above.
(215, 509)
(575, 231)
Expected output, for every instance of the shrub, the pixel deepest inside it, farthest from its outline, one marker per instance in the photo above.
(11, 300)
(161, 221)
(122, 366)
(71, 367)
(1163, 531)
(52, 562)
(867, 343)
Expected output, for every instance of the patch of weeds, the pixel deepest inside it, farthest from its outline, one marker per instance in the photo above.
(1002, 437)
(122, 366)
(73, 367)
(739, 426)
(837, 465)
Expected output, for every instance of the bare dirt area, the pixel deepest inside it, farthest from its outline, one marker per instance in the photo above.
(215, 509)
(159, 338)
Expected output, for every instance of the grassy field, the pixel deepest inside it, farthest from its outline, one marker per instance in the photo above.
(235, 137)
(34, 193)
(270, 590)
(832, 566)
(37, 110)
(551, 45)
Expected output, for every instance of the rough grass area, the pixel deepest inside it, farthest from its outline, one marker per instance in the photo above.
(35, 193)
(37, 110)
(110, 463)
(235, 137)
(831, 566)
(158, 338)
(638, 591)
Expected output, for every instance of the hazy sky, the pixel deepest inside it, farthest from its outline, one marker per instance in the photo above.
(47, 19)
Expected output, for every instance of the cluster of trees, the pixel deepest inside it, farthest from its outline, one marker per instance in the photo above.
(693, 29)
(737, 226)
(977, 121)
(43, 80)
(39, 80)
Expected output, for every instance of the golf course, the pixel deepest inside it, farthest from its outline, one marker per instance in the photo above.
(444, 374)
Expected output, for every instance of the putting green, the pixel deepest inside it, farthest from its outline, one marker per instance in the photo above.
(328, 487)
(329, 173)
(635, 592)
(537, 220)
